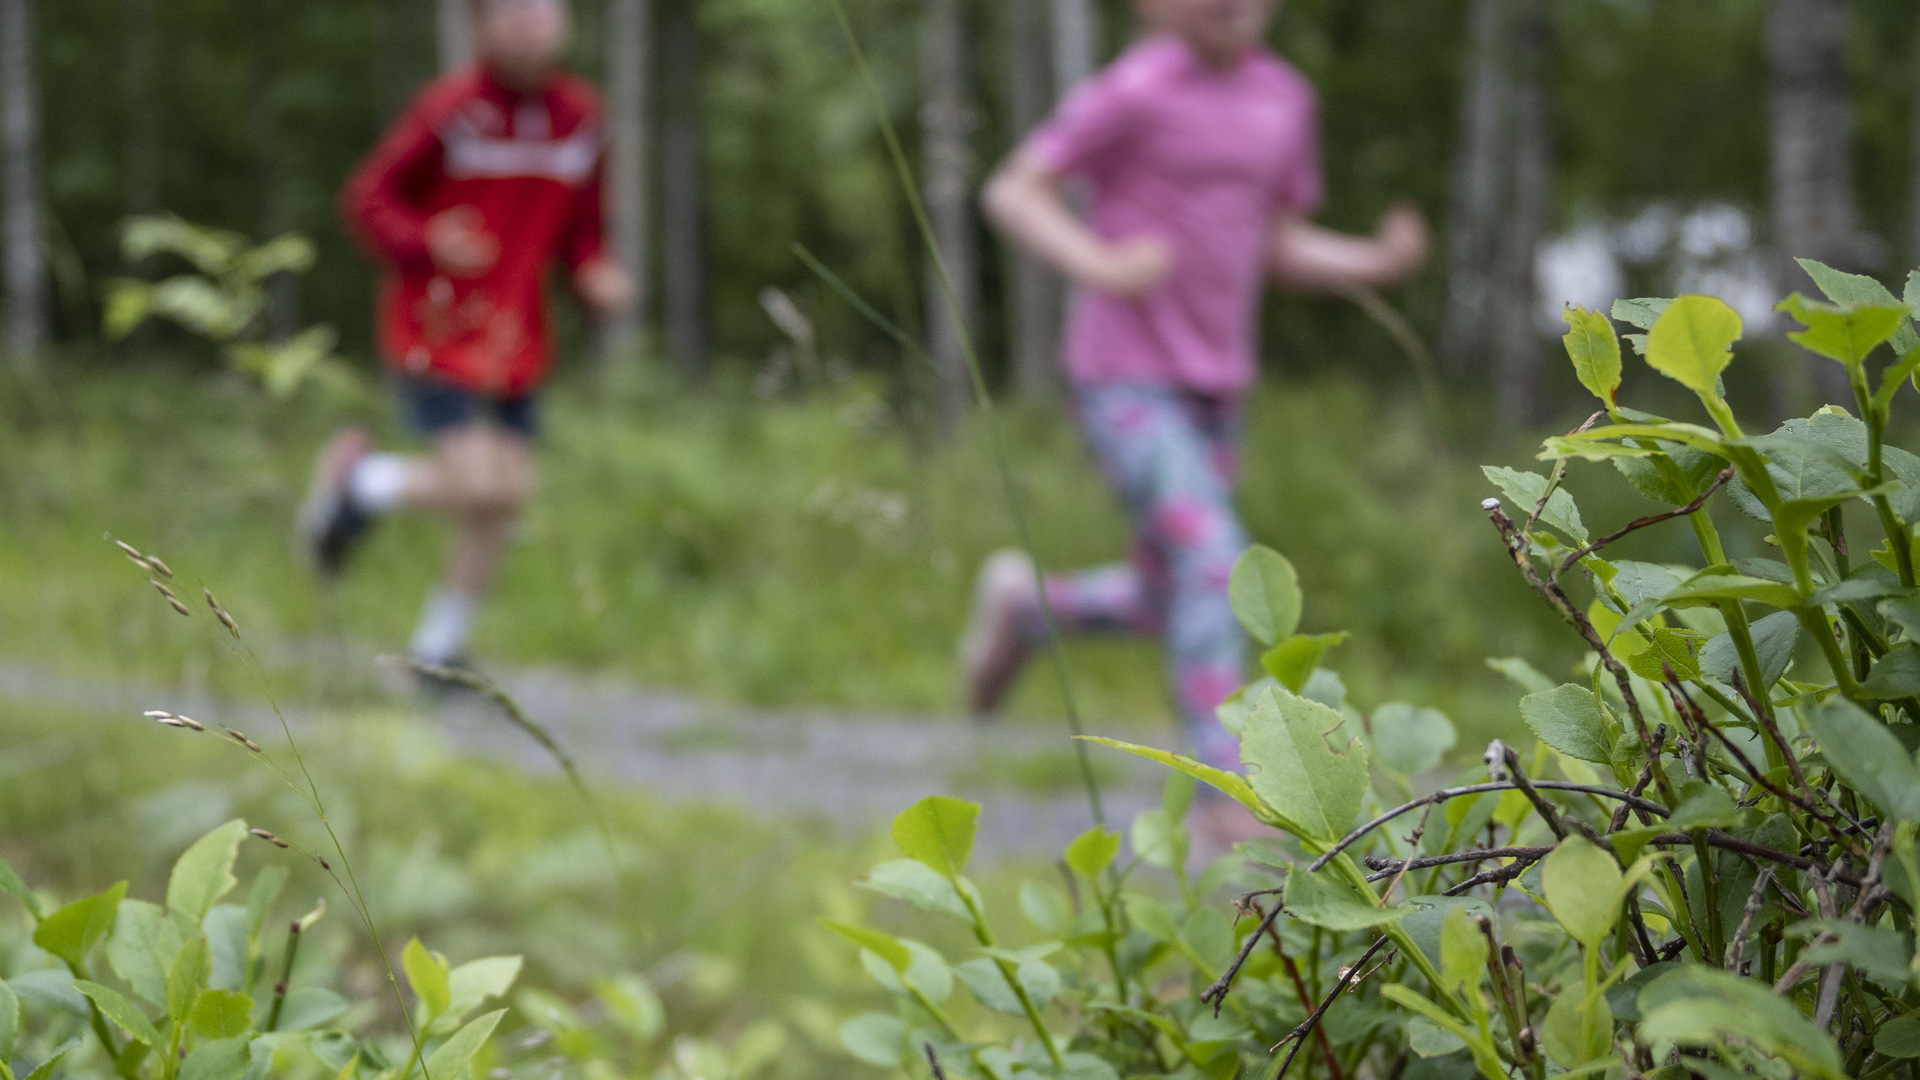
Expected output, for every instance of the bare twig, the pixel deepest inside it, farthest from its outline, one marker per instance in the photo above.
(1445, 794)
(933, 1060)
(1299, 1035)
(1387, 866)
(1306, 1000)
(1413, 850)
(1637, 524)
(1619, 820)
(1217, 993)
(1756, 900)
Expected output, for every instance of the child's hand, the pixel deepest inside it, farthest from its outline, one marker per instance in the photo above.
(1131, 268)
(1403, 239)
(604, 287)
(459, 244)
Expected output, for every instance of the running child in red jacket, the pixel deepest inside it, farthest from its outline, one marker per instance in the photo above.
(491, 176)
(1201, 150)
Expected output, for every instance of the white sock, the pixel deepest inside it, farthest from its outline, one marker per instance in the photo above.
(378, 482)
(441, 637)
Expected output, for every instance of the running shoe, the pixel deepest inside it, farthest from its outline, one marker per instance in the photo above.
(330, 525)
(997, 643)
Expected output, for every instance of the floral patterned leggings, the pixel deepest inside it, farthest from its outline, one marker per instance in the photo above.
(1173, 458)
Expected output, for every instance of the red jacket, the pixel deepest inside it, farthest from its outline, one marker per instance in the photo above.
(530, 164)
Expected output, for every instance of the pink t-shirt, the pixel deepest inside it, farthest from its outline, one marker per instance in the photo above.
(1204, 160)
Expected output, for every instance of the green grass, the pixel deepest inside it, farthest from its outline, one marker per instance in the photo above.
(806, 552)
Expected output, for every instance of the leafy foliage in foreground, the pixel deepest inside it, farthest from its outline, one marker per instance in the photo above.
(1705, 867)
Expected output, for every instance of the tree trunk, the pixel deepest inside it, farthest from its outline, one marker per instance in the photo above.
(629, 33)
(26, 252)
(1479, 187)
(142, 34)
(683, 224)
(1518, 341)
(1035, 329)
(1812, 159)
(1076, 43)
(946, 123)
(453, 30)
(402, 43)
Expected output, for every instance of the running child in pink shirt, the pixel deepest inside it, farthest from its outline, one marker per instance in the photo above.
(1201, 151)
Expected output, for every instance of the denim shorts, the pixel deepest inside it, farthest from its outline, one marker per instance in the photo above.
(431, 406)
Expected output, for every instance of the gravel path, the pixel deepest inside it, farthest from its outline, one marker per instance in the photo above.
(853, 771)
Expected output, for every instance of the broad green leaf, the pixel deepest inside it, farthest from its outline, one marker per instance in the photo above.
(1520, 673)
(1692, 342)
(882, 944)
(44, 1070)
(219, 1059)
(1093, 851)
(9, 1022)
(71, 932)
(472, 983)
(1903, 611)
(309, 1007)
(1463, 950)
(1428, 1039)
(1846, 335)
(1314, 785)
(939, 832)
(1046, 907)
(1411, 740)
(453, 1055)
(1670, 649)
(1639, 583)
(1697, 1003)
(1429, 913)
(1856, 290)
(1582, 883)
(1265, 593)
(919, 885)
(187, 978)
(1874, 951)
(926, 971)
(1291, 662)
(1703, 806)
(633, 1005)
(1556, 447)
(1040, 980)
(222, 1014)
(1323, 900)
(989, 985)
(876, 1039)
(1708, 587)
(1485, 1057)
(1570, 720)
(203, 874)
(427, 975)
(1159, 840)
(11, 884)
(1595, 350)
(1641, 312)
(121, 1012)
(1774, 639)
(1573, 1033)
(1233, 785)
(1867, 756)
(1524, 489)
(141, 948)
(1696, 468)
(1899, 1037)
(1895, 675)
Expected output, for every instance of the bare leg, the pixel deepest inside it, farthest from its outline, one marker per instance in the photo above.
(481, 476)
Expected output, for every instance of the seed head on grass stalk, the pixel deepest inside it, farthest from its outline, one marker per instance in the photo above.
(308, 789)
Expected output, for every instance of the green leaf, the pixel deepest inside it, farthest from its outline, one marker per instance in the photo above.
(141, 947)
(1692, 342)
(633, 1006)
(204, 874)
(427, 975)
(1895, 675)
(1576, 1031)
(1707, 587)
(309, 1007)
(1671, 648)
(218, 1059)
(1485, 1057)
(1233, 785)
(472, 983)
(9, 1022)
(926, 971)
(1046, 907)
(939, 832)
(1159, 840)
(187, 978)
(1093, 851)
(919, 885)
(876, 1039)
(71, 932)
(1314, 785)
(1903, 611)
(1323, 900)
(11, 884)
(1463, 950)
(1291, 662)
(1844, 334)
(1695, 1004)
(987, 984)
(222, 1014)
(1854, 290)
(1265, 593)
(1595, 349)
(1873, 951)
(883, 945)
(1641, 312)
(1867, 756)
(121, 1012)
(1774, 639)
(1582, 883)
(1569, 719)
(1524, 489)
(1428, 1039)
(1697, 470)
(453, 1055)
(1899, 1037)
(1410, 740)
(44, 1070)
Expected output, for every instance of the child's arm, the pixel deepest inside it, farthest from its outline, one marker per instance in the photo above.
(1023, 199)
(1313, 258)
